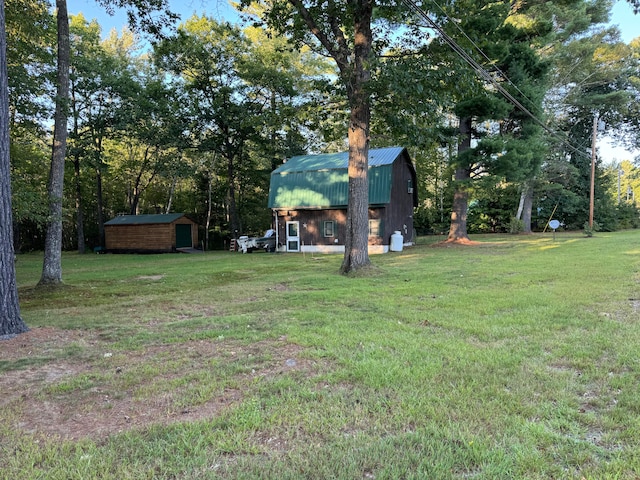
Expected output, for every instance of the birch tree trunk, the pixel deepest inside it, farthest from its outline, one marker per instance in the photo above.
(527, 206)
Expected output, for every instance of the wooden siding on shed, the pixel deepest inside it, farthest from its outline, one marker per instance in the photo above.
(156, 237)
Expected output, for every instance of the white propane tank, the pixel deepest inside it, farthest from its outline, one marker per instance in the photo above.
(396, 241)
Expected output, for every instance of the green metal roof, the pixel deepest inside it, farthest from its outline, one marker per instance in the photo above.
(322, 181)
(144, 219)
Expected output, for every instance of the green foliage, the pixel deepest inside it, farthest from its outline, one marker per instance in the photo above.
(149, 16)
(516, 226)
(29, 158)
(492, 208)
(590, 230)
(597, 88)
(241, 90)
(628, 216)
(435, 189)
(30, 29)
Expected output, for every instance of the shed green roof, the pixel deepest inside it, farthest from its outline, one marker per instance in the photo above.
(144, 219)
(322, 181)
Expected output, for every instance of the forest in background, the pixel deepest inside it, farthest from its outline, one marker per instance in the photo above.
(197, 122)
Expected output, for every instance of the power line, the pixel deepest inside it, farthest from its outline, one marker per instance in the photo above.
(481, 52)
(484, 73)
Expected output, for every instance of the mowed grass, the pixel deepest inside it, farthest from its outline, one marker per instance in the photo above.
(515, 358)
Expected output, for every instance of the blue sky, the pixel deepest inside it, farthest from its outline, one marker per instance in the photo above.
(218, 9)
(629, 24)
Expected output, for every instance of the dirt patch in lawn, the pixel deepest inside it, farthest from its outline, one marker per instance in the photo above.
(460, 242)
(40, 343)
(99, 392)
(154, 278)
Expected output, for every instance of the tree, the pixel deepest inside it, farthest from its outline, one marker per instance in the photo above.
(10, 320)
(342, 29)
(407, 109)
(52, 264)
(516, 41)
(91, 108)
(208, 56)
(144, 19)
(242, 90)
(594, 89)
(475, 105)
(30, 30)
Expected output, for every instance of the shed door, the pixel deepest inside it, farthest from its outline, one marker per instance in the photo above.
(293, 236)
(183, 236)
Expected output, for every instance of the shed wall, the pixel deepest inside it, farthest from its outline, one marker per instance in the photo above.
(149, 237)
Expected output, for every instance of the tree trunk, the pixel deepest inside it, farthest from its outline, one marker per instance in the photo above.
(208, 223)
(76, 172)
(52, 265)
(521, 203)
(100, 202)
(171, 192)
(79, 214)
(527, 206)
(356, 254)
(458, 228)
(135, 200)
(234, 220)
(10, 319)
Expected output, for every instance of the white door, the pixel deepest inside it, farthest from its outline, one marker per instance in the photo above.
(293, 236)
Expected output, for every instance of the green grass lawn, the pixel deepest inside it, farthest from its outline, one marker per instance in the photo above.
(515, 358)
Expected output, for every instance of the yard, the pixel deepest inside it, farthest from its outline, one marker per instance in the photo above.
(514, 358)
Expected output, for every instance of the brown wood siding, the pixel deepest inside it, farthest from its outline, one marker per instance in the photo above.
(312, 226)
(146, 237)
(399, 213)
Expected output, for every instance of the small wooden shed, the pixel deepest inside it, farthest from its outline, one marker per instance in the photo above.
(150, 233)
(309, 194)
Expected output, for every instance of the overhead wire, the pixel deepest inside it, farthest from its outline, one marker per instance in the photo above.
(411, 4)
(480, 51)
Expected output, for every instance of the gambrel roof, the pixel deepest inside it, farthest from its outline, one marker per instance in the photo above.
(322, 181)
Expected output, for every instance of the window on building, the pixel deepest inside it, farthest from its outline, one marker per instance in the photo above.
(374, 227)
(329, 228)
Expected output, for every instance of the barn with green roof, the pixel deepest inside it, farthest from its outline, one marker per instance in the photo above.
(309, 194)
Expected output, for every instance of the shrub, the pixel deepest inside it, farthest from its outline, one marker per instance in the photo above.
(590, 230)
